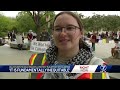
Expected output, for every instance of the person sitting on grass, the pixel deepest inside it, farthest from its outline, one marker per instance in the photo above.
(114, 50)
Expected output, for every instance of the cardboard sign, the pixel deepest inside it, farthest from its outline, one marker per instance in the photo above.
(39, 46)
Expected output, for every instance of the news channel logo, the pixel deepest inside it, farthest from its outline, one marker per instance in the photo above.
(84, 68)
(103, 68)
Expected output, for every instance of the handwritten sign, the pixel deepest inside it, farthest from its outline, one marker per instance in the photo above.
(39, 46)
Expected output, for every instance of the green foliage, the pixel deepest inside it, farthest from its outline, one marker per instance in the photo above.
(24, 22)
(6, 24)
(101, 22)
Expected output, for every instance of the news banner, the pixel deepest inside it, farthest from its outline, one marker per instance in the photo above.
(61, 68)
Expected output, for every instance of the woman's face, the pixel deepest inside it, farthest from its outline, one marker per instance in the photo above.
(66, 32)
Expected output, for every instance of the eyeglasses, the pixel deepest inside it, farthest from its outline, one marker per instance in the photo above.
(70, 29)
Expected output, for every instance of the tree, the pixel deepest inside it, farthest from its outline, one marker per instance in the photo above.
(25, 22)
(39, 18)
(6, 24)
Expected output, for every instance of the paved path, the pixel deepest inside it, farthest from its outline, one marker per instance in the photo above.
(9, 56)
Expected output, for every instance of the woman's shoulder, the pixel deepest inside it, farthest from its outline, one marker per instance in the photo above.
(96, 61)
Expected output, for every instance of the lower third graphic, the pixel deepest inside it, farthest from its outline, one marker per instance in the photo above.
(103, 68)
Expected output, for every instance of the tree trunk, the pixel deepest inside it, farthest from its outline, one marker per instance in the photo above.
(38, 33)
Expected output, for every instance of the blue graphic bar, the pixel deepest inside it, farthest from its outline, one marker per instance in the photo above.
(56, 68)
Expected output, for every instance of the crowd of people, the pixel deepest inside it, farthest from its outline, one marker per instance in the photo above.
(44, 36)
(19, 37)
(95, 37)
(11, 36)
(104, 35)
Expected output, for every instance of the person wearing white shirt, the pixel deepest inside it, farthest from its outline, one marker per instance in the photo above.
(19, 40)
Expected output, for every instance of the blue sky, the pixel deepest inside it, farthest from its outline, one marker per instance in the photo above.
(85, 13)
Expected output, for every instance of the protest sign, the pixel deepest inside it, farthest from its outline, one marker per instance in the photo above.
(39, 46)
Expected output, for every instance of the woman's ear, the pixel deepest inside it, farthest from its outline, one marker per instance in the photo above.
(82, 34)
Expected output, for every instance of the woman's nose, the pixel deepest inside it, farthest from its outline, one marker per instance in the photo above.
(63, 32)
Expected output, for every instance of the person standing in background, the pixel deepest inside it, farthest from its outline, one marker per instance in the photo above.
(30, 37)
(93, 40)
(44, 36)
(19, 39)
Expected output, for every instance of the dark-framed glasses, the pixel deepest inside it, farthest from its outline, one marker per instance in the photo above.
(69, 29)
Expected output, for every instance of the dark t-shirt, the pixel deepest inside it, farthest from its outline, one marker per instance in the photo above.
(30, 36)
(44, 36)
(94, 37)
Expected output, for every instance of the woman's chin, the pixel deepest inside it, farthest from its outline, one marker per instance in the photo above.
(64, 48)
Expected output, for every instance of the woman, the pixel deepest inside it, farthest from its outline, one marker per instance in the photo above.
(69, 47)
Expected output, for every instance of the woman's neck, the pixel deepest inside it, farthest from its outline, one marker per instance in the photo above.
(67, 54)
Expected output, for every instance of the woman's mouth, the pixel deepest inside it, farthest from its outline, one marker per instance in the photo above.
(63, 41)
